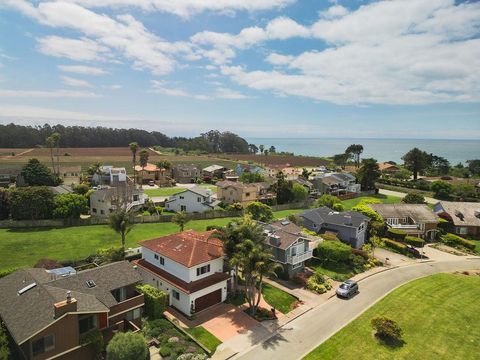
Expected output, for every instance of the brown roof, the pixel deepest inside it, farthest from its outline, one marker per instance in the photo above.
(388, 166)
(461, 213)
(188, 288)
(189, 248)
(418, 212)
(287, 232)
(149, 167)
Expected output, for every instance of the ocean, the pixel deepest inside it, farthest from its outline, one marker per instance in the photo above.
(454, 151)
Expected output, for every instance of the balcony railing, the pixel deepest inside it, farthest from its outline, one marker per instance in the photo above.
(133, 302)
(405, 227)
(295, 259)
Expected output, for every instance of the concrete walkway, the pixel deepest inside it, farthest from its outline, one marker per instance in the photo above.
(399, 194)
(303, 334)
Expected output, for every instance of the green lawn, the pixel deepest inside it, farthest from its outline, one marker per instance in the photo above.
(204, 337)
(338, 272)
(384, 199)
(168, 191)
(438, 315)
(277, 298)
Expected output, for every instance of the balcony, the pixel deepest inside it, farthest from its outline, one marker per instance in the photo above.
(295, 259)
(405, 227)
(131, 303)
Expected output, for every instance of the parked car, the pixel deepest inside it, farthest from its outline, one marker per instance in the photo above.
(347, 289)
(151, 183)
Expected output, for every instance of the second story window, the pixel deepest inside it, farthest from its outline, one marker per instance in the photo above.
(203, 270)
(87, 323)
(162, 261)
(43, 345)
(120, 294)
(199, 199)
(175, 294)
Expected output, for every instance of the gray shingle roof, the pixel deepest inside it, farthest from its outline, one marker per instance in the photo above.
(462, 213)
(26, 314)
(418, 212)
(286, 231)
(325, 215)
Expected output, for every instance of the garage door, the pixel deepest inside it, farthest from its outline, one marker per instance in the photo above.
(208, 300)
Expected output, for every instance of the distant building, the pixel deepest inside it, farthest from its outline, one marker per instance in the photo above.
(186, 173)
(213, 172)
(464, 217)
(106, 200)
(192, 200)
(336, 183)
(151, 172)
(109, 175)
(388, 168)
(290, 172)
(48, 315)
(237, 192)
(349, 226)
(70, 175)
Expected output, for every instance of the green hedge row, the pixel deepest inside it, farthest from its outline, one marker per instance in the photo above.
(396, 234)
(455, 240)
(414, 241)
(155, 301)
(395, 245)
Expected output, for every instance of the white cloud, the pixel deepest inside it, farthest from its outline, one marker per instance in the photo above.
(221, 92)
(225, 93)
(47, 94)
(285, 28)
(112, 87)
(67, 80)
(279, 59)
(160, 87)
(75, 49)
(187, 8)
(82, 69)
(334, 12)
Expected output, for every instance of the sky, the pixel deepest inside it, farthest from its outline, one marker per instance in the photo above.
(260, 68)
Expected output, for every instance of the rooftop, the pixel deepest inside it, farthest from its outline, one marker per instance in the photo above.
(461, 213)
(417, 212)
(325, 215)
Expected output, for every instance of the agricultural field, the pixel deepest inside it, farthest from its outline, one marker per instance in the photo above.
(309, 161)
(121, 157)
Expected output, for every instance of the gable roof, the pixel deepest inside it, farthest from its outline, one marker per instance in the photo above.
(287, 232)
(213, 168)
(387, 166)
(303, 182)
(149, 167)
(344, 176)
(417, 212)
(189, 248)
(28, 313)
(325, 215)
(461, 213)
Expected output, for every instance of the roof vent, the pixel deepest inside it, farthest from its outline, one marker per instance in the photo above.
(90, 284)
(459, 214)
(26, 288)
(275, 240)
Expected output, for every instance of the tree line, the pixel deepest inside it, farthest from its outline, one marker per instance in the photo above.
(20, 136)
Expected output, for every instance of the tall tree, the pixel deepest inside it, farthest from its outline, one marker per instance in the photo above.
(143, 161)
(416, 161)
(368, 173)
(305, 173)
(134, 148)
(284, 189)
(474, 166)
(341, 159)
(261, 148)
(354, 151)
(37, 174)
(272, 150)
(253, 148)
(121, 223)
(180, 219)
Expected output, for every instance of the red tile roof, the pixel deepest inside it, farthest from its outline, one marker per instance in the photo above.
(149, 167)
(189, 248)
(188, 288)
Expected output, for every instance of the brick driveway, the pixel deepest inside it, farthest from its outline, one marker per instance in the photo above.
(225, 321)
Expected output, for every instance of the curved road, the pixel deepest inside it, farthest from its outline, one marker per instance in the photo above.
(300, 336)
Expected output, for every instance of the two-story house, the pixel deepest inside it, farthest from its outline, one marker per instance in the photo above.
(213, 172)
(105, 200)
(192, 200)
(415, 219)
(244, 193)
(188, 266)
(48, 315)
(290, 172)
(464, 217)
(290, 247)
(109, 175)
(151, 172)
(70, 175)
(349, 226)
(186, 173)
(336, 183)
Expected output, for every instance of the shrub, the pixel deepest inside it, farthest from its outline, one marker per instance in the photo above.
(157, 327)
(442, 189)
(4, 345)
(327, 200)
(4, 207)
(146, 213)
(110, 254)
(396, 234)
(165, 351)
(81, 189)
(334, 251)
(47, 264)
(386, 329)
(338, 207)
(234, 207)
(69, 206)
(395, 245)
(414, 198)
(6, 272)
(213, 227)
(329, 236)
(414, 241)
(300, 193)
(94, 338)
(127, 346)
(455, 240)
(367, 211)
(362, 253)
(155, 301)
(31, 203)
(358, 262)
(318, 283)
(260, 211)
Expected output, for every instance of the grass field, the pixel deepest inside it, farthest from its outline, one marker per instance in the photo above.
(168, 191)
(438, 315)
(204, 337)
(26, 246)
(277, 298)
(338, 272)
(384, 199)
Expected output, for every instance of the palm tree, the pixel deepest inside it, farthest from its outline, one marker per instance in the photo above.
(180, 219)
(50, 142)
(133, 148)
(53, 141)
(120, 222)
(143, 161)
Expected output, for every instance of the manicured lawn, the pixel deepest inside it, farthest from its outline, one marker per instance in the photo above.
(204, 337)
(168, 191)
(384, 199)
(284, 213)
(438, 315)
(338, 272)
(278, 299)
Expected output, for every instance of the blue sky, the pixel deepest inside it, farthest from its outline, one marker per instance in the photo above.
(261, 68)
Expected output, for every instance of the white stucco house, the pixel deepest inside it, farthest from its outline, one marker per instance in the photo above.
(192, 200)
(188, 266)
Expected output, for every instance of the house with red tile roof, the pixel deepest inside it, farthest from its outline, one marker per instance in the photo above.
(151, 172)
(188, 266)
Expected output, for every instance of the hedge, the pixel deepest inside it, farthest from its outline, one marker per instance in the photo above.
(155, 301)
(454, 240)
(396, 234)
(395, 245)
(414, 241)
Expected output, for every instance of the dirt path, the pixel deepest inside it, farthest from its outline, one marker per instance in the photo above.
(19, 154)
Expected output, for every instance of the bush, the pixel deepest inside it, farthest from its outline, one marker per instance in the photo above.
(234, 207)
(367, 211)
(157, 327)
(69, 206)
(395, 245)
(442, 189)
(396, 234)
(81, 189)
(6, 272)
(260, 211)
(127, 346)
(318, 283)
(47, 264)
(334, 251)
(362, 253)
(328, 201)
(338, 207)
(155, 301)
(300, 193)
(4, 207)
(165, 351)
(414, 241)
(414, 198)
(31, 203)
(4, 345)
(329, 236)
(455, 240)
(110, 254)
(94, 338)
(386, 329)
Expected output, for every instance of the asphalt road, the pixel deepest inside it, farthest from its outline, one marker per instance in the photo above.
(299, 337)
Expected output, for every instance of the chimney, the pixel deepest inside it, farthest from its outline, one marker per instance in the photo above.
(65, 306)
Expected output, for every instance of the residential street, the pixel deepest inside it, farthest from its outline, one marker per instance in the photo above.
(399, 194)
(306, 332)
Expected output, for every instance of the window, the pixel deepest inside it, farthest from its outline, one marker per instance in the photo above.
(120, 294)
(102, 212)
(199, 199)
(182, 197)
(183, 208)
(135, 197)
(461, 230)
(296, 266)
(134, 314)
(87, 323)
(175, 294)
(203, 270)
(162, 261)
(94, 210)
(156, 257)
(43, 345)
(247, 194)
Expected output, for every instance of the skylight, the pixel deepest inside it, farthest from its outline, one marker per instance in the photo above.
(26, 288)
(90, 283)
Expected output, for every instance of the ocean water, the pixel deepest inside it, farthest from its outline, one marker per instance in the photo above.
(381, 149)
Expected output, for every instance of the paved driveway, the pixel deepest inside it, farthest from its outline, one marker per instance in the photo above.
(226, 321)
(303, 334)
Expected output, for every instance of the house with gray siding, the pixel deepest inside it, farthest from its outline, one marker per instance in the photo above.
(290, 247)
(349, 226)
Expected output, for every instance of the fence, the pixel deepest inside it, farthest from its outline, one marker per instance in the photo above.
(355, 195)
